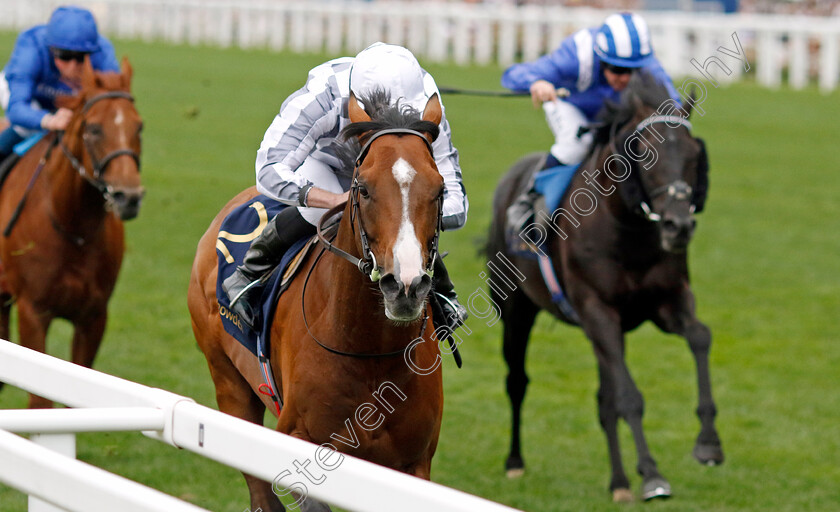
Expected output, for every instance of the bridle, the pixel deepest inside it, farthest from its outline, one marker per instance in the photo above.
(367, 264)
(99, 164)
(677, 190)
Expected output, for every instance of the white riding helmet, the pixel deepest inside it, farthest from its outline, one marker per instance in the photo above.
(392, 68)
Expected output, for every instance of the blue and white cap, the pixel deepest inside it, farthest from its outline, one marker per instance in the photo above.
(624, 40)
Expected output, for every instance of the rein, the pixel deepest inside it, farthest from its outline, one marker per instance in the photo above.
(677, 190)
(41, 163)
(359, 355)
(99, 164)
(367, 264)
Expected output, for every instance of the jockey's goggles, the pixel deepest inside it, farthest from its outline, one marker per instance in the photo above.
(618, 70)
(68, 55)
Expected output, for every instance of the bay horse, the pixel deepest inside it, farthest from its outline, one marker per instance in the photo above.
(620, 259)
(62, 208)
(337, 339)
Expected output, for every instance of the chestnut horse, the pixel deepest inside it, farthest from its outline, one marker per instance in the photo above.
(617, 245)
(338, 342)
(62, 208)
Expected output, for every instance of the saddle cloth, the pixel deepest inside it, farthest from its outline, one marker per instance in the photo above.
(553, 184)
(237, 232)
(18, 151)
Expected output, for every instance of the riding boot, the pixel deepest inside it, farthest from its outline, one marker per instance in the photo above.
(244, 287)
(449, 312)
(520, 214)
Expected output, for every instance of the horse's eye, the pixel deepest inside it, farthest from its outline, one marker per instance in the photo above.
(363, 191)
(93, 130)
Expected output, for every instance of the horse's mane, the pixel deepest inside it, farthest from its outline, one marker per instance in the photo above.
(643, 90)
(383, 116)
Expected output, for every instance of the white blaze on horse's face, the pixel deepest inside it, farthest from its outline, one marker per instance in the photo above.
(407, 251)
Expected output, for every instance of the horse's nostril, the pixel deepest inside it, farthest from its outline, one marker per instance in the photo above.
(420, 286)
(390, 287)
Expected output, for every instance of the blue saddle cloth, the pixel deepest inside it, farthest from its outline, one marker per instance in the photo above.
(26, 144)
(553, 182)
(237, 232)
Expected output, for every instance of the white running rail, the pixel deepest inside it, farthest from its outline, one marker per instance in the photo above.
(100, 402)
(804, 49)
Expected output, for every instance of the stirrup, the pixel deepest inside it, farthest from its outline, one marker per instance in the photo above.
(460, 312)
(245, 290)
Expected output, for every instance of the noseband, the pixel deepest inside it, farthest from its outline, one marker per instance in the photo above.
(677, 190)
(367, 263)
(99, 164)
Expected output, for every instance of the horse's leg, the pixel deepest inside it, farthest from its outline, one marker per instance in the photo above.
(678, 317)
(518, 314)
(87, 336)
(235, 397)
(32, 328)
(618, 396)
(5, 310)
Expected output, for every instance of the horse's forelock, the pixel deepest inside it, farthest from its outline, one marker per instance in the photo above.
(642, 90)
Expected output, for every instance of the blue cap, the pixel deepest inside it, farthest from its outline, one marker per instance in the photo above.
(72, 28)
(624, 41)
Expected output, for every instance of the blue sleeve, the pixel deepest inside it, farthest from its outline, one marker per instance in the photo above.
(23, 72)
(559, 68)
(105, 59)
(655, 68)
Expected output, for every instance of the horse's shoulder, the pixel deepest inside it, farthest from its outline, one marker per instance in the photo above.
(242, 197)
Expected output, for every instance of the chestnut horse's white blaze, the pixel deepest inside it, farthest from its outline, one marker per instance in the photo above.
(407, 251)
(119, 120)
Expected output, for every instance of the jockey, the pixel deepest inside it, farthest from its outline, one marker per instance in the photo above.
(594, 65)
(46, 62)
(297, 163)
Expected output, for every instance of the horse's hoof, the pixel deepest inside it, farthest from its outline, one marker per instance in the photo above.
(708, 454)
(514, 467)
(656, 487)
(623, 496)
(515, 472)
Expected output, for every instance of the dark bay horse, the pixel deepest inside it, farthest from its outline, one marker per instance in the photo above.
(617, 244)
(339, 342)
(62, 208)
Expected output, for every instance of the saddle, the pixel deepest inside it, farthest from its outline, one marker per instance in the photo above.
(237, 232)
(552, 185)
(18, 151)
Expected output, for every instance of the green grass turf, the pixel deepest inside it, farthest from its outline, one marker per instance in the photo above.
(764, 265)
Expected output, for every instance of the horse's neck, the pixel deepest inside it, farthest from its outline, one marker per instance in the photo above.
(613, 214)
(76, 205)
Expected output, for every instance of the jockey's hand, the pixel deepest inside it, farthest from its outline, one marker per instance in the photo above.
(320, 198)
(542, 91)
(57, 121)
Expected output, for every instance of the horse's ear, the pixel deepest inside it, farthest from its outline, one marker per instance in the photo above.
(88, 77)
(688, 106)
(433, 111)
(357, 114)
(127, 73)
